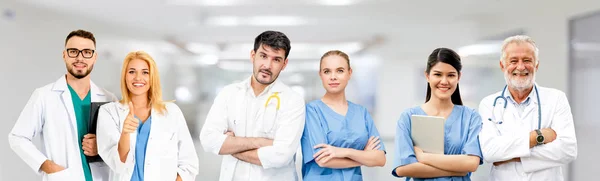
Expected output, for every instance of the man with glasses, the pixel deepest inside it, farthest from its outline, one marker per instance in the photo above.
(59, 113)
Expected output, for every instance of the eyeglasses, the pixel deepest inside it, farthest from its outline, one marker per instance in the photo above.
(74, 52)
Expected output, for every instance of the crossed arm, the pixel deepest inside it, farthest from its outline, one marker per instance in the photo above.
(244, 148)
(336, 157)
(430, 165)
(559, 148)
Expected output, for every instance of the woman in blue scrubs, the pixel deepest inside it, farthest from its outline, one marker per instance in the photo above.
(142, 137)
(462, 154)
(339, 136)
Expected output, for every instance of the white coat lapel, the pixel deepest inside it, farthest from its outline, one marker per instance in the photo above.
(266, 117)
(98, 95)
(240, 116)
(511, 122)
(156, 128)
(530, 115)
(61, 85)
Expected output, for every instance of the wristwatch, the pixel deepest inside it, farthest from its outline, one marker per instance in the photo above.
(540, 138)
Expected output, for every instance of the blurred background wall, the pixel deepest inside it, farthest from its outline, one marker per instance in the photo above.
(202, 45)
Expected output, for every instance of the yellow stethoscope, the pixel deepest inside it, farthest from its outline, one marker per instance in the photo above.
(268, 124)
(274, 95)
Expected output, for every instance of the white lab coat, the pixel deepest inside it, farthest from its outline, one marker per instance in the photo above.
(169, 151)
(49, 114)
(228, 112)
(511, 138)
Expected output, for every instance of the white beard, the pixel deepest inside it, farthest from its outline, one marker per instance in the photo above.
(519, 84)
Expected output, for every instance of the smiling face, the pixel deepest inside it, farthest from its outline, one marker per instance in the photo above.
(79, 56)
(137, 77)
(519, 66)
(443, 80)
(335, 73)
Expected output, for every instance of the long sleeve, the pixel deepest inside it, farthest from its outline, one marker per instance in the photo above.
(29, 125)
(287, 137)
(212, 134)
(187, 161)
(500, 147)
(107, 136)
(560, 151)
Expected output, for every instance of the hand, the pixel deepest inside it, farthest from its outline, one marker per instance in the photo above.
(372, 144)
(419, 153)
(507, 161)
(131, 123)
(549, 135)
(230, 133)
(328, 152)
(89, 145)
(178, 178)
(50, 167)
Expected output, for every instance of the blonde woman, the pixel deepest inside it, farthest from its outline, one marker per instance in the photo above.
(339, 136)
(141, 137)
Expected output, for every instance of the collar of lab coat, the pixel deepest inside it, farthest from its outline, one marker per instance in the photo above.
(276, 86)
(531, 95)
(125, 109)
(61, 85)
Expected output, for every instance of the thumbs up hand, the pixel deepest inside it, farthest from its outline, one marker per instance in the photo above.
(131, 123)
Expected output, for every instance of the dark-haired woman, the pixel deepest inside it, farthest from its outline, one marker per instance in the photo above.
(462, 154)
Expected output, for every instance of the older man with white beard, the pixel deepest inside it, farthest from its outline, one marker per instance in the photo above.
(527, 130)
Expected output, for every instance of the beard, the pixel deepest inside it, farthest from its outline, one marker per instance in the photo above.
(519, 83)
(265, 82)
(80, 74)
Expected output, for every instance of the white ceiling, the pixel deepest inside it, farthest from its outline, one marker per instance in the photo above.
(185, 20)
(413, 26)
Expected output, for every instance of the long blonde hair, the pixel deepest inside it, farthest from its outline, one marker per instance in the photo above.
(155, 91)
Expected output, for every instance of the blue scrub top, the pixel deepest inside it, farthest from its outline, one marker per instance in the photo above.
(140, 149)
(461, 138)
(323, 125)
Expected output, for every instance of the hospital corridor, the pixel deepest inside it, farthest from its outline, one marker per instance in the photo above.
(201, 46)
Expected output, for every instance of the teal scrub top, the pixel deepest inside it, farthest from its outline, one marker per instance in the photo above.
(82, 114)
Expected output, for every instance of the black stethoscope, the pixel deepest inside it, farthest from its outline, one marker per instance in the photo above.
(493, 118)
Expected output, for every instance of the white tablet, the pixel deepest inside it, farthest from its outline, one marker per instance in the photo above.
(427, 133)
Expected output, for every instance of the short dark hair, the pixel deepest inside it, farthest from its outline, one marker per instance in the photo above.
(82, 34)
(274, 39)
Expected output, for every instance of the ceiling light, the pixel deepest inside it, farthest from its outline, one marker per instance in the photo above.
(202, 48)
(275, 21)
(183, 94)
(236, 66)
(208, 59)
(255, 21)
(223, 21)
(480, 49)
(204, 2)
(348, 47)
(337, 2)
